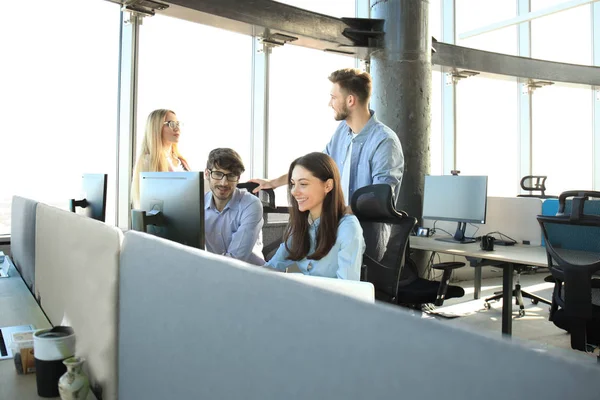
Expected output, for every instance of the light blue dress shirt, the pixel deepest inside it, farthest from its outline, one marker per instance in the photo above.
(235, 231)
(376, 155)
(343, 260)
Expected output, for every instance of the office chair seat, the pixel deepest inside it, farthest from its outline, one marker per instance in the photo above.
(562, 320)
(375, 204)
(423, 291)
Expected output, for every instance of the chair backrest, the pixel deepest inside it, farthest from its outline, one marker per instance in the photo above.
(375, 204)
(272, 234)
(537, 184)
(574, 262)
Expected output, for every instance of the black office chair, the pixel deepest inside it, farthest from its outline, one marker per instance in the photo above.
(374, 205)
(574, 265)
(518, 293)
(536, 185)
(273, 235)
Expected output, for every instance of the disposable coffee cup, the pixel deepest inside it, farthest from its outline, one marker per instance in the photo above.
(50, 348)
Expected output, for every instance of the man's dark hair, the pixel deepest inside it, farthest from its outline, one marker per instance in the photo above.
(353, 81)
(226, 159)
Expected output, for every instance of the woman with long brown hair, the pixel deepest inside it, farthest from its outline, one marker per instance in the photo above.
(320, 239)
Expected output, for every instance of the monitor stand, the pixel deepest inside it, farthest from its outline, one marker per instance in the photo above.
(141, 219)
(459, 235)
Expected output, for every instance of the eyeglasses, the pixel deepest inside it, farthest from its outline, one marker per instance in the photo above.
(218, 175)
(174, 124)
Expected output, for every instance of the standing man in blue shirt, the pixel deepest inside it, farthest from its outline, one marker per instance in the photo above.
(233, 217)
(366, 151)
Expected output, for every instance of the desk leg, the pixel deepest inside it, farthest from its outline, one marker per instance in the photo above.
(477, 283)
(507, 289)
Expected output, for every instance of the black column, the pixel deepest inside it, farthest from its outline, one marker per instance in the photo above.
(402, 89)
(402, 98)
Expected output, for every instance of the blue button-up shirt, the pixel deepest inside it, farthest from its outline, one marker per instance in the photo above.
(343, 260)
(376, 155)
(235, 231)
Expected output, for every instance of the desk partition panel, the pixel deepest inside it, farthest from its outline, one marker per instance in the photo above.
(513, 216)
(22, 238)
(77, 260)
(194, 325)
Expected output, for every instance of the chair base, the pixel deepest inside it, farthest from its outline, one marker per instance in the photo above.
(518, 294)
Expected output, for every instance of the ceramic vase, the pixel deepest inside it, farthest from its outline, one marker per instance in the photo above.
(74, 384)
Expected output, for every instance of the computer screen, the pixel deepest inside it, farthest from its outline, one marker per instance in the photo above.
(173, 206)
(92, 200)
(456, 198)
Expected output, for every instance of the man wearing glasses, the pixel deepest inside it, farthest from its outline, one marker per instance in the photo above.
(233, 217)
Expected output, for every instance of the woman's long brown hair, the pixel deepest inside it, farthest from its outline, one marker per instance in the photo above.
(322, 167)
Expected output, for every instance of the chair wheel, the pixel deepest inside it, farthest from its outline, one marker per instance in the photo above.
(534, 301)
(487, 305)
(521, 313)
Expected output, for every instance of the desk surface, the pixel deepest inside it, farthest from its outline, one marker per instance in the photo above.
(18, 307)
(518, 254)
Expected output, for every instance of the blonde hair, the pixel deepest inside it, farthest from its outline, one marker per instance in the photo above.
(151, 157)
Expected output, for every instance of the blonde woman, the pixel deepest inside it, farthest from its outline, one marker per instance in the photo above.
(159, 152)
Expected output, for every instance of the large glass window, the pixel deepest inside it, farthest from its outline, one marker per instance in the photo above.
(487, 132)
(59, 80)
(204, 75)
(562, 137)
(435, 141)
(473, 14)
(300, 120)
(565, 36)
(435, 19)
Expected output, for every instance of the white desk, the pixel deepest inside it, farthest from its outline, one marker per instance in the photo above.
(18, 307)
(507, 256)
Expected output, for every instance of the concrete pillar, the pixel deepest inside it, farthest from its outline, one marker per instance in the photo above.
(401, 97)
(402, 89)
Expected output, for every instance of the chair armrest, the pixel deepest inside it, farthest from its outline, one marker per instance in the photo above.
(448, 265)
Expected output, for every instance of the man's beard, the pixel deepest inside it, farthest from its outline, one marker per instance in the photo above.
(342, 115)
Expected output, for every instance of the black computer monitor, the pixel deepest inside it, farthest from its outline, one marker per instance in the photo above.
(456, 198)
(172, 207)
(92, 200)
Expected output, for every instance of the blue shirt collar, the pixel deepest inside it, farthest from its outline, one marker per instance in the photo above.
(362, 135)
(232, 203)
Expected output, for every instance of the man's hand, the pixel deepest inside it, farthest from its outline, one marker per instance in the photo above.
(269, 184)
(262, 184)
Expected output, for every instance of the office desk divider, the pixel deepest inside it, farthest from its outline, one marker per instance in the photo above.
(22, 234)
(76, 278)
(513, 216)
(196, 325)
(364, 291)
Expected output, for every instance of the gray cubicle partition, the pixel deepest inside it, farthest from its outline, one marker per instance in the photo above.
(22, 241)
(198, 326)
(76, 279)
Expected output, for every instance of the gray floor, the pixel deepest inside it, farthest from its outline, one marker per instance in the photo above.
(532, 328)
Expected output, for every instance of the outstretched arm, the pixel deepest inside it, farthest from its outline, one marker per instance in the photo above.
(279, 260)
(269, 184)
(352, 247)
